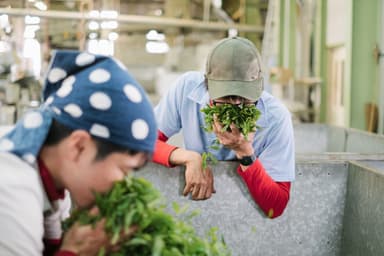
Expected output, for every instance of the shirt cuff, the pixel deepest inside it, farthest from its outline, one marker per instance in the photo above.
(162, 153)
(255, 166)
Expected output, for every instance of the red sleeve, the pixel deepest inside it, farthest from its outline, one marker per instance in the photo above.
(65, 253)
(272, 197)
(162, 150)
(52, 246)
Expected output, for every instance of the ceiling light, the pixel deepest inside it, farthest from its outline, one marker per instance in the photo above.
(158, 12)
(110, 14)
(217, 3)
(94, 14)
(232, 32)
(30, 20)
(4, 22)
(155, 36)
(41, 6)
(157, 47)
(30, 30)
(113, 36)
(93, 25)
(109, 24)
(104, 47)
(92, 35)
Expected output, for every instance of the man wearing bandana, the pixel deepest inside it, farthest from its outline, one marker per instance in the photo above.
(95, 126)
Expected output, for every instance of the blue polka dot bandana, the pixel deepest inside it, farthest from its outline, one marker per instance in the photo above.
(89, 92)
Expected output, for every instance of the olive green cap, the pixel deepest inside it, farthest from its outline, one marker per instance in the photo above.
(234, 68)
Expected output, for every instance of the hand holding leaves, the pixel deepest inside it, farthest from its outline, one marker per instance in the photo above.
(135, 202)
(244, 117)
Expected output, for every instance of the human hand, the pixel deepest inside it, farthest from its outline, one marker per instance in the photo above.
(199, 182)
(90, 239)
(233, 138)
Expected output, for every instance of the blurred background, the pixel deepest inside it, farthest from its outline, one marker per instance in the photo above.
(323, 58)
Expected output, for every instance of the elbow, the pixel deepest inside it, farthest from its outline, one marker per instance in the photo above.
(278, 208)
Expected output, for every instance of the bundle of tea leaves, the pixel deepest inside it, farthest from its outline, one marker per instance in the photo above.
(134, 201)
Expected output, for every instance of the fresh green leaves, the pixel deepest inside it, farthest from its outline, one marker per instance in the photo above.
(134, 201)
(244, 117)
(208, 157)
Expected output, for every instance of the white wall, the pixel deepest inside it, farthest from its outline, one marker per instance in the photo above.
(336, 22)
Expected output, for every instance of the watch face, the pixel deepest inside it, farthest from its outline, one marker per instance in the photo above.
(246, 160)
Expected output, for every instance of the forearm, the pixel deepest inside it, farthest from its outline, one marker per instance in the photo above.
(181, 156)
(272, 197)
(162, 151)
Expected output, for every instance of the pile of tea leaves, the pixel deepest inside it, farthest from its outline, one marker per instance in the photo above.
(134, 201)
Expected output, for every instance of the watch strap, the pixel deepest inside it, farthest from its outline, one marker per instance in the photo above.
(247, 160)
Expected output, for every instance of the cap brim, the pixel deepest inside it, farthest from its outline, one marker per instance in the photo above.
(247, 89)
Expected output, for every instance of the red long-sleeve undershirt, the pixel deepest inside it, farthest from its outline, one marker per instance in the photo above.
(51, 246)
(271, 196)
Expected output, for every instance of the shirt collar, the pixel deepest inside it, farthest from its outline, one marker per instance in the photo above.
(49, 186)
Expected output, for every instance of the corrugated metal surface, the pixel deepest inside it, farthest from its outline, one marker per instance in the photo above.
(311, 225)
(363, 232)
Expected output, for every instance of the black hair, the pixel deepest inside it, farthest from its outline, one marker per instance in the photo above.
(58, 132)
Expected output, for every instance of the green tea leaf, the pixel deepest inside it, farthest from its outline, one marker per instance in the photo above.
(134, 201)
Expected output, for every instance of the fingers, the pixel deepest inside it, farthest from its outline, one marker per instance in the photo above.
(208, 192)
(202, 190)
(196, 192)
(216, 127)
(234, 129)
(188, 188)
(94, 211)
(124, 236)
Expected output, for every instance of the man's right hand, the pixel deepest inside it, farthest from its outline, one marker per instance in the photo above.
(198, 182)
(87, 240)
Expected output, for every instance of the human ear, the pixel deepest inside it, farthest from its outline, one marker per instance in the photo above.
(77, 144)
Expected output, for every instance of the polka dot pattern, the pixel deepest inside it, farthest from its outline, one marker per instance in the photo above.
(74, 110)
(66, 87)
(6, 145)
(56, 74)
(56, 110)
(100, 100)
(33, 120)
(100, 131)
(133, 93)
(84, 59)
(49, 100)
(88, 92)
(29, 158)
(99, 76)
(140, 129)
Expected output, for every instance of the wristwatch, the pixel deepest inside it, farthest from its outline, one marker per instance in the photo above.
(247, 160)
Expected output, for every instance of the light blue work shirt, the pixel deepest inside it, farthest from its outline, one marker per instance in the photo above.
(180, 107)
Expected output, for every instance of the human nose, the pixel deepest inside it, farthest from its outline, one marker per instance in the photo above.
(235, 101)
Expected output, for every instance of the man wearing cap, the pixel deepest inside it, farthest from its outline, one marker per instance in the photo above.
(95, 126)
(266, 160)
